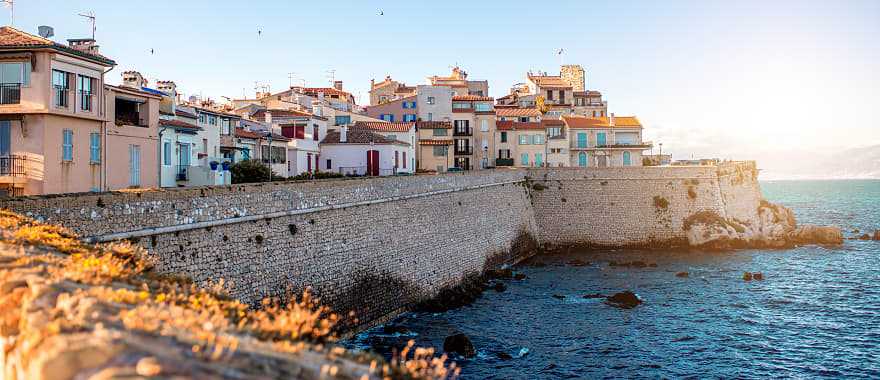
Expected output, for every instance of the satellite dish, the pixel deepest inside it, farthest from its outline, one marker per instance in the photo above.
(46, 31)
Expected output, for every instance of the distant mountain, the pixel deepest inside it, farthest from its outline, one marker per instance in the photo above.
(853, 163)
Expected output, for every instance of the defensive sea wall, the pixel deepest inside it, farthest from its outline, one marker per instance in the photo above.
(377, 246)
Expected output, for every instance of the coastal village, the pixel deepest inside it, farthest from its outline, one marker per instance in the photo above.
(64, 129)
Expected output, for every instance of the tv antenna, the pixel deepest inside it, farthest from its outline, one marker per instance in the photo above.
(332, 75)
(11, 5)
(291, 76)
(91, 17)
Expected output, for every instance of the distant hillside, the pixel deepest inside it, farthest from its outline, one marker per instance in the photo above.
(863, 162)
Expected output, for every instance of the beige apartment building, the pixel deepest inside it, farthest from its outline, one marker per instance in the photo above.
(57, 116)
(605, 141)
(434, 151)
(473, 132)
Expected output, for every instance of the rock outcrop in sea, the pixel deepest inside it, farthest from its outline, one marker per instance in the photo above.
(773, 227)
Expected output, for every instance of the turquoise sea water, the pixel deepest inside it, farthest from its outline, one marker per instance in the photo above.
(816, 314)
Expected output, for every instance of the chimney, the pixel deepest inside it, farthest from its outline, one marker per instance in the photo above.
(86, 45)
(611, 119)
(372, 83)
(133, 79)
(317, 109)
(337, 85)
(343, 134)
(268, 117)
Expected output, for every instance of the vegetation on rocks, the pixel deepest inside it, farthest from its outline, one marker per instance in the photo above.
(68, 309)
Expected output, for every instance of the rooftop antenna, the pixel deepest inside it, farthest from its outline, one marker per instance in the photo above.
(332, 75)
(91, 17)
(11, 5)
(291, 76)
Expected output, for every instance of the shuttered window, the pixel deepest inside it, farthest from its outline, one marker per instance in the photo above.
(95, 148)
(67, 145)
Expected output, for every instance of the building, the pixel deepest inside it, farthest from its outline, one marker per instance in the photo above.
(521, 144)
(473, 131)
(388, 90)
(53, 116)
(404, 158)
(403, 109)
(303, 130)
(560, 95)
(605, 141)
(360, 151)
(132, 132)
(434, 151)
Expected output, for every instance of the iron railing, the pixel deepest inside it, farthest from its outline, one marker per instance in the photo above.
(461, 131)
(10, 93)
(14, 166)
(464, 150)
(61, 97)
(503, 162)
(181, 172)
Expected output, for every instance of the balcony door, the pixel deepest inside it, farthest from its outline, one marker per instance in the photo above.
(372, 162)
(5, 138)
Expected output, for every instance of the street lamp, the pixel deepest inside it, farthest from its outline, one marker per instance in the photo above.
(660, 161)
(269, 151)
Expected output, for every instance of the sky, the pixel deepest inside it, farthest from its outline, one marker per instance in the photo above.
(784, 82)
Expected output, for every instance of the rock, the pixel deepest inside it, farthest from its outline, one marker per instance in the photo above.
(747, 276)
(148, 367)
(394, 329)
(559, 296)
(876, 235)
(520, 276)
(625, 300)
(503, 355)
(682, 274)
(505, 273)
(865, 237)
(499, 287)
(810, 234)
(578, 263)
(652, 265)
(459, 344)
(594, 295)
(758, 276)
(538, 264)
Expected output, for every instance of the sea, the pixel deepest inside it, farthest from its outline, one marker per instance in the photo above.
(816, 313)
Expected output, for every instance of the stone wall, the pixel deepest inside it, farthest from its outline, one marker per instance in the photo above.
(377, 246)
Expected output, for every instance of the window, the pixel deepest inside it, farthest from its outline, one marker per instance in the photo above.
(627, 160)
(409, 117)
(440, 151)
(13, 76)
(600, 139)
(523, 140)
(482, 107)
(246, 154)
(166, 153)
(343, 120)
(409, 105)
(504, 153)
(315, 132)
(61, 84)
(504, 137)
(67, 145)
(561, 96)
(224, 127)
(430, 116)
(440, 132)
(95, 148)
(396, 159)
(404, 160)
(387, 117)
(85, 92)
(539, 159)
(484, 125)
(203, 118)
(537, 139)
(524, 119)
(212, 120)
(431, 100)
(462, 105)
(554, 131)
(549, 94)
(329, 164)
(582, 140)
(524, 159)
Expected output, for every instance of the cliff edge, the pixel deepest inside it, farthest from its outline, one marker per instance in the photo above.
(71, 310)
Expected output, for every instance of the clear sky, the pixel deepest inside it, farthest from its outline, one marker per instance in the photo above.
(772, 80)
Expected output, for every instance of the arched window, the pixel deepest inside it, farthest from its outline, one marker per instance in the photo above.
(626, 159)
(582, 159)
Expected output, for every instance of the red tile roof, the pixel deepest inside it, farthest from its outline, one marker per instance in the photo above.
(12, 38)
(239, 132)
(530, 112)
(435, 142)
(581, 122)
(360, 136)
(473, 98)
(383, 126)
(434, 124)
(552, 122)
(517, 125)
(326, 90)
(261, 114)
(178, 124)
(185, 114)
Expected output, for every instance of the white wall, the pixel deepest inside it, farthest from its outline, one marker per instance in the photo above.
(355, 156)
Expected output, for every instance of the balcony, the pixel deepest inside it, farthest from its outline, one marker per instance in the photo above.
(10, 93)
(464, 150)
(61, 97)
(463, 132)
(13, 166)
(503, 162)
(131, 119)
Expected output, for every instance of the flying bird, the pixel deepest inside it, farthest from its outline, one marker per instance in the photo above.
(259, 32)
(381, 12)
(152, 51)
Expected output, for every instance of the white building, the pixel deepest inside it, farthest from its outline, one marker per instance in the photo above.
(359, 151)
(304, 131)
(605, 141)
(403, 132)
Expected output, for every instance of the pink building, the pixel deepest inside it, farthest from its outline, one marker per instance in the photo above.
(398, 110)
(55, 120)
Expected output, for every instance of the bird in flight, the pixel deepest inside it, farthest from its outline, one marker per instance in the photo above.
(152, 51)
(259, 32)
(381, 12)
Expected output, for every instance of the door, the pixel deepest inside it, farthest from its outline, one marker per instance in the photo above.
(582, 159)
(308, 163)
(603, 161)
(600, 139)
(134, 165)
(183, 161)
(539, 160)
(582, 140)
(627, 160)
(372, 162)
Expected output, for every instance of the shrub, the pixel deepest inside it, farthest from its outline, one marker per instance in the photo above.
(250, 171)
(660, 202)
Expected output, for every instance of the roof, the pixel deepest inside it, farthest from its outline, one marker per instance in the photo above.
(472, 98)
(434, 125)
(531, 112)
(241, 132)
(435, 142)
(383, 126)
(12, 38)
(328, 91)
(177, 124)
(219, 113)
(552, 122)
(601, 122)
(185, 114)
(517, 125)
(549, 81)
(587, 93)
(132, 90)
(360, 136)
(153, 91)
(260, 114)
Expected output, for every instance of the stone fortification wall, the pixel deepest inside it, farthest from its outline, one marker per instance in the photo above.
(637, 206)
